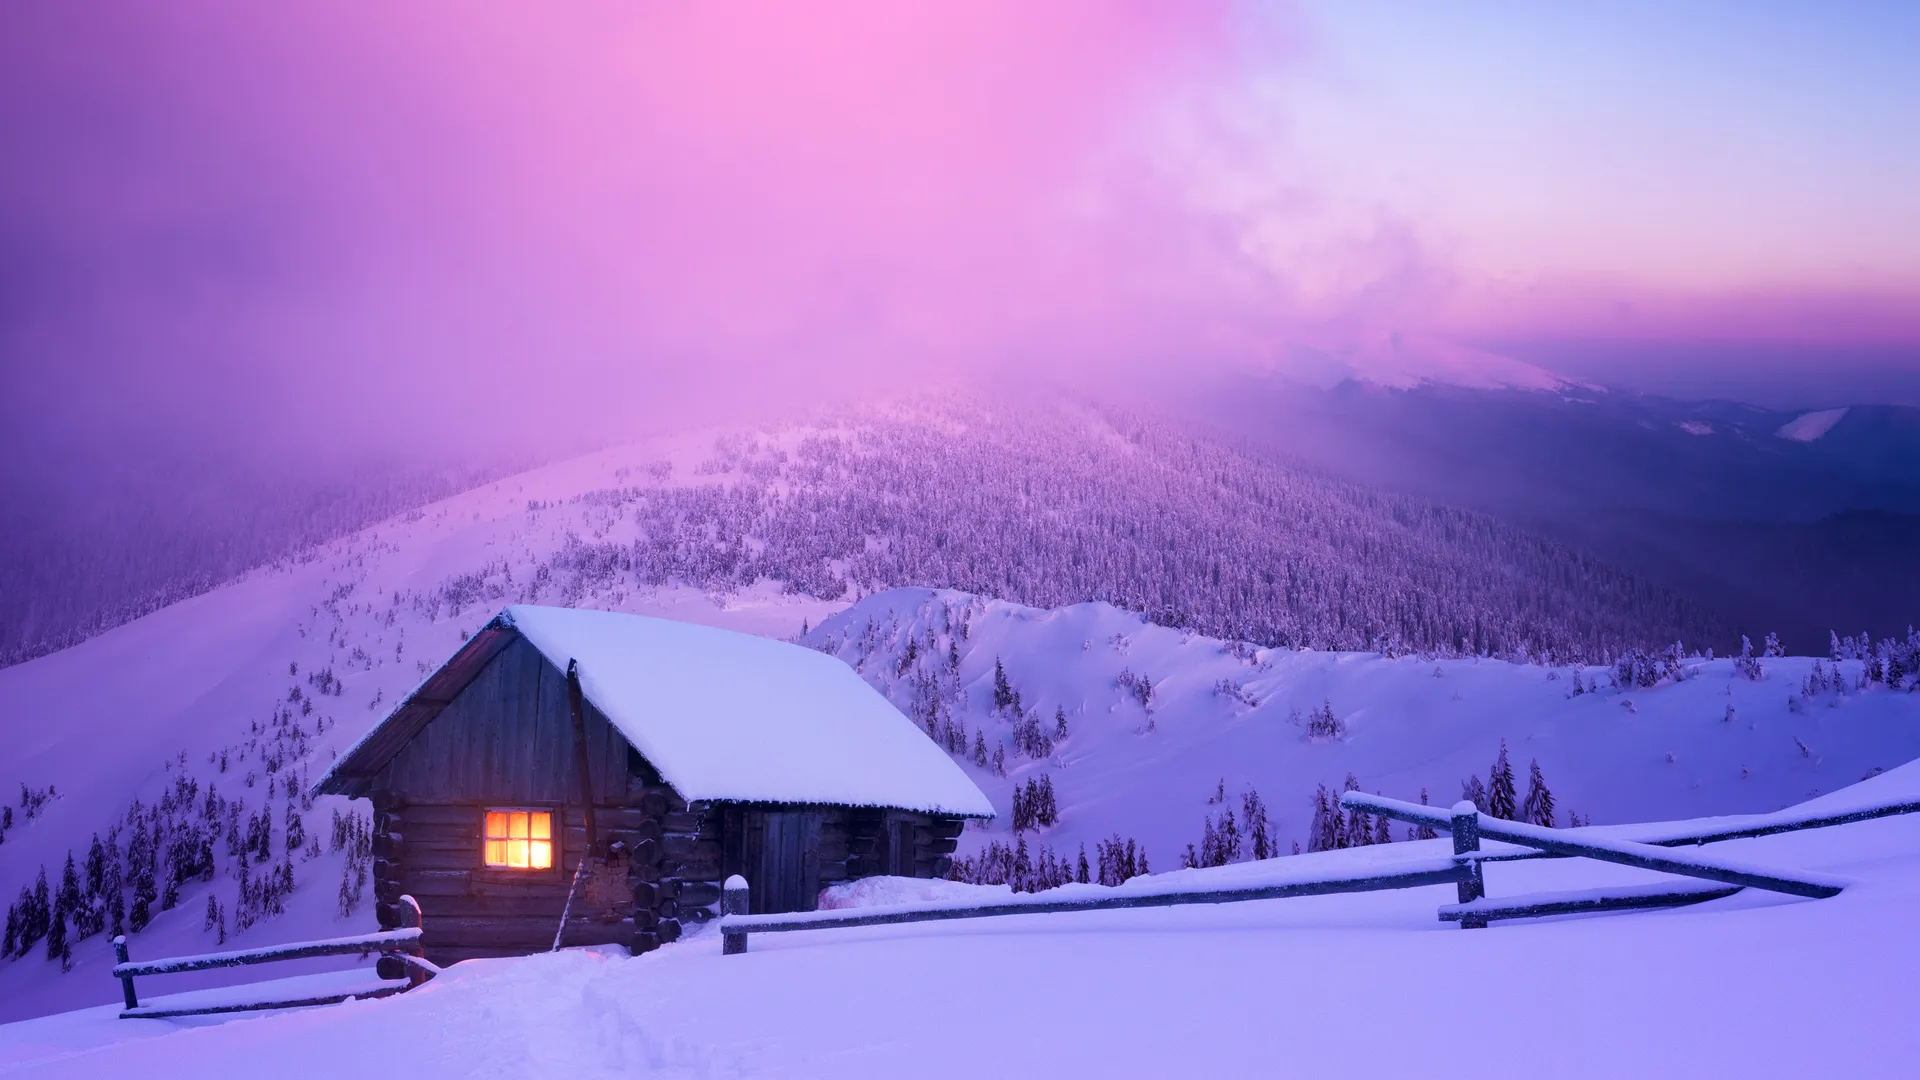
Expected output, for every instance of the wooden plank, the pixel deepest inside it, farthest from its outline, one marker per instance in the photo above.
(375, 989)
(436, 882)
(1625, 853)
(343, 946)
(1540, 905)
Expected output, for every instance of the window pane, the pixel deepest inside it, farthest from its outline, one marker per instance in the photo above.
(517, 825)
(496, 823)
(517, 854)
(542, 826)
(542, 855)
(496, 853)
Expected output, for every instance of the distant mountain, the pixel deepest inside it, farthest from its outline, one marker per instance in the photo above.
(1795, 522)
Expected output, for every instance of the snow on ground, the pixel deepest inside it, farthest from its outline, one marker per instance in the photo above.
(1360, 985)
(1810, 426)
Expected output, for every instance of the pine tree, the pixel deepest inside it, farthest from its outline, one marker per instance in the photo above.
(39, 912)
(220, 924)
(1322, 833)
(170, 895)
(12, 940)
(96, 875)
(57, 934)
(1500, 793)
(296, 830)
(116, 893)
(68, 898)
(1475, 792)
(980, 747)
(1538, 809)
(1257, 825)
(140, 863)
(1359, 826)
(1424, 832)
(1080, 870)
(1059, 722)
(1002, 690)
(1380, 833)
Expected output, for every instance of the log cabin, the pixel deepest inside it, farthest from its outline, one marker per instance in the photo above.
(619, 768)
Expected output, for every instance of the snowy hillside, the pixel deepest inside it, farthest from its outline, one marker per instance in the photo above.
(1161, 724)
(1359, 985)
(184, 740)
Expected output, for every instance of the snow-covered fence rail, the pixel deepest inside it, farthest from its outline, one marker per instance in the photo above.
(736, 924)
(402, 966)
(1624, 852)
(1715, 830)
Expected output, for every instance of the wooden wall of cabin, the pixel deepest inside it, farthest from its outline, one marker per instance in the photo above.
(435, 853)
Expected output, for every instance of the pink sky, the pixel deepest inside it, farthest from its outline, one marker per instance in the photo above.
(459, 217)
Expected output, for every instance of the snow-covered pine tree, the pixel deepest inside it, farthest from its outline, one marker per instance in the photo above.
(1059, 722)
(296, 830)
(999, 761)
(213, 913)
(1381, 835)
(1319, 831)
(1081, 869)
(1475, 792)
(12, 940)
(1359, 828)
(1501, 802)
(1258, 836)
(57, 933)
(1773, 646)
(170, 893)
(1002, 690)
(114, 890)
(1538, 809)
(67, 899)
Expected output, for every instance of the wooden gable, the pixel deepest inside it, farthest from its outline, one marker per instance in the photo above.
(506, 738)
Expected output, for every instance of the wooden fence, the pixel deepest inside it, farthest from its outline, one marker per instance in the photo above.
(1651, 848)
(401, 967)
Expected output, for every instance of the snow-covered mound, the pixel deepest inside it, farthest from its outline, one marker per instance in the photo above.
(1752, 985)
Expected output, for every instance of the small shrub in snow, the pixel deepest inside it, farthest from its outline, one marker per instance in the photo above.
(1324, 726)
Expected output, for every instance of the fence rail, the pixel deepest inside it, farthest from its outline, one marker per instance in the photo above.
(1624, 852)
(401, 967)
(736, 924)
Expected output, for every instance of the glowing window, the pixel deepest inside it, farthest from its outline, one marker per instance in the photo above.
(520, 839)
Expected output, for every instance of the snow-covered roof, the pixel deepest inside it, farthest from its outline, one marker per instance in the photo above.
(731, 716)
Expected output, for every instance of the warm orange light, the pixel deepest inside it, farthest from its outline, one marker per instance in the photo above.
(520, 839)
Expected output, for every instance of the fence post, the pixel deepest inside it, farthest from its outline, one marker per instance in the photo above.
(126, 981)
(733, 901)
(1466, 838)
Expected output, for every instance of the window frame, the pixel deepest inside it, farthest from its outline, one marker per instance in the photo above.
(556, 825)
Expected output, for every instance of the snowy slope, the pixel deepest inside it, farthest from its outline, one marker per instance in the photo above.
(1363, 985)
(1411, 723)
